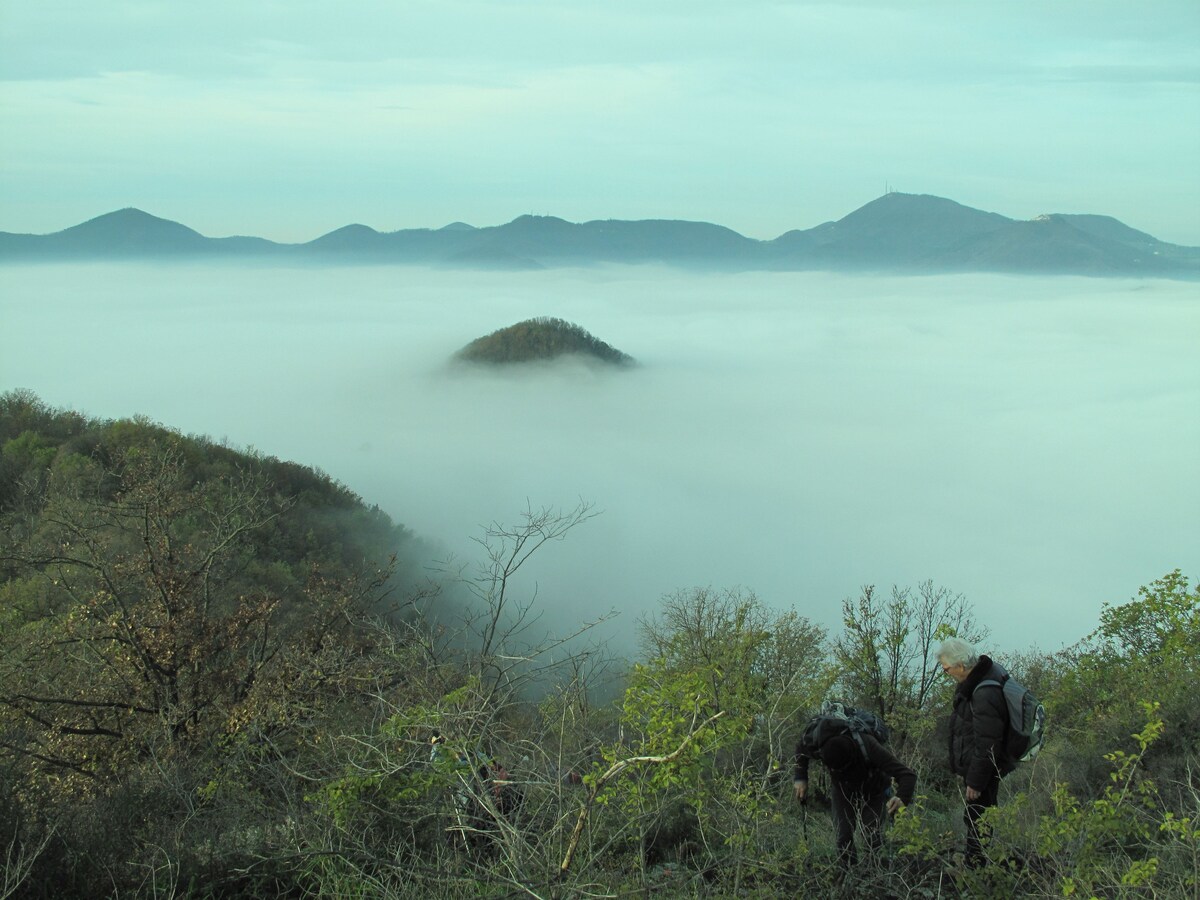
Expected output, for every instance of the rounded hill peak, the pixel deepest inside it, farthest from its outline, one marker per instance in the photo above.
(130, 230)
(542, 338)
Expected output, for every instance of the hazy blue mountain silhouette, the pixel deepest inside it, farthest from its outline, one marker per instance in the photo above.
(415, 245)
(1048, 244)
(128, 233)
(132, 231)
(896, 228)
(894, 233)
(651, 240)
(354, 238)
(1109, 228)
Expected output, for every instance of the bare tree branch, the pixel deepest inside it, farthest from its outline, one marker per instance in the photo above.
(613, 771)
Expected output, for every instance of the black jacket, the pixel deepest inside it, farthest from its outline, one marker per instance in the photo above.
(870, 774)
(978, 727)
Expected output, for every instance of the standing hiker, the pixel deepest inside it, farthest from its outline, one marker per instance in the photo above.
(978, 728)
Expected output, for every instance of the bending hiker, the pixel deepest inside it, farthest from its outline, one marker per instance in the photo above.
(507, 796)
(978, 728)
(476, 776)
(861, 771)
(457, 767)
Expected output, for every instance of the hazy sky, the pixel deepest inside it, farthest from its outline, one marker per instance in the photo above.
(288, 118)
(1029, 442)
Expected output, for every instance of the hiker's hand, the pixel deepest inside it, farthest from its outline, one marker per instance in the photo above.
(894, 804)
(801, 789)
(972, 793)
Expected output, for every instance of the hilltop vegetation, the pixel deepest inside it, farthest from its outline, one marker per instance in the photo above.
(220, 676)
(540, 339)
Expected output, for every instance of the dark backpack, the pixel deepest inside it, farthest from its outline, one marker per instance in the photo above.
(1026, 717)
(836, 719)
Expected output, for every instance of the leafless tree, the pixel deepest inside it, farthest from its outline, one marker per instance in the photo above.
(886, 650)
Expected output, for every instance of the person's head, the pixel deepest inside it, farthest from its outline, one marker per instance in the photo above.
(839, 753)
(957, 658)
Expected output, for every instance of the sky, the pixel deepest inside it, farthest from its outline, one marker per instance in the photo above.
(288, 119)
(1027, 442)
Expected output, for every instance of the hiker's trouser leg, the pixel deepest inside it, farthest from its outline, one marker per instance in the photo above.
(871, 815)
(845, 818)
(987, 798)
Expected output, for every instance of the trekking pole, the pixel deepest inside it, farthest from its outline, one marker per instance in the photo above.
(804, 820)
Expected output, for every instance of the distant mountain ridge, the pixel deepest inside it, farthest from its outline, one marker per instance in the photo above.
(915, 233)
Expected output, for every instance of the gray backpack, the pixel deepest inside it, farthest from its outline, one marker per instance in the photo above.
(1026, 717)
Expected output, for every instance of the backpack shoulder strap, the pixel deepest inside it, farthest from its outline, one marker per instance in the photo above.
(993, 682)
(862, 745)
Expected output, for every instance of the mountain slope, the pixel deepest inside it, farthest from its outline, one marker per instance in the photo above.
(131, 230)
(1055, 243)
(610, 240)
(895, 229)
(128, 233)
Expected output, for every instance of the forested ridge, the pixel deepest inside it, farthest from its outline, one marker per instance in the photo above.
(226, 675)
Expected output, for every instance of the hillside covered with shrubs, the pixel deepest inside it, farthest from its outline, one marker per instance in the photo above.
(225, 675)
(540, 339)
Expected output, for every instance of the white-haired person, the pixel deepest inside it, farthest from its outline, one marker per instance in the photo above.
(978, 727)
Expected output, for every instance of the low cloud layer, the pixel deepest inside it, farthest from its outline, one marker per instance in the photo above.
(1027, 442)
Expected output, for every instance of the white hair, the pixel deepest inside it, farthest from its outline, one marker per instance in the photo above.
(955, 651)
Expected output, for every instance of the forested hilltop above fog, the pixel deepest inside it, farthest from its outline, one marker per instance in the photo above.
(895, 233)
(222, 674)
(540, 339)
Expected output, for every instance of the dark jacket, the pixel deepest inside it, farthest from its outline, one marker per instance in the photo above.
(870, 774)
(978, 727)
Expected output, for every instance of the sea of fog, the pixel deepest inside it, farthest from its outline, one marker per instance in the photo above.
(1028, 442)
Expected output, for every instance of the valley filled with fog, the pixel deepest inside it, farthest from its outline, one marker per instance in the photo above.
(1028, 442)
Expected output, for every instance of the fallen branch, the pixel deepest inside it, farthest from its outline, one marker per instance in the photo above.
(613, 771)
